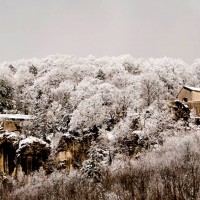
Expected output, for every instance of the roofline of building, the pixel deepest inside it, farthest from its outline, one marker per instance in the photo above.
(17, 116)
(189, 88)
(192, 88)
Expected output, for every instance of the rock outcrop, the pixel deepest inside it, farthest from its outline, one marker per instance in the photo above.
(72, 151)
(32, 154)
(8, 146)
(18, 152)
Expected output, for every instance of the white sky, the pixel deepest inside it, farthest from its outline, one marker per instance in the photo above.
(141, 28)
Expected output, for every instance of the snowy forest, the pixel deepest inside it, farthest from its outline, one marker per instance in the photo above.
(135, 146)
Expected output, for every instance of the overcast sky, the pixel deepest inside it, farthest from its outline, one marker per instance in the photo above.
(141, 28)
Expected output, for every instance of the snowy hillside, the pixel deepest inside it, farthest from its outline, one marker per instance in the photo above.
(111, 115)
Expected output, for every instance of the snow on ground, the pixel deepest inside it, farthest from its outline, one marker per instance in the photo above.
(29, 141)
(110, 136)
(9, 135)
(12, 135)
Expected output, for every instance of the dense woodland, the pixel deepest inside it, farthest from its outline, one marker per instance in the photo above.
(139, 149)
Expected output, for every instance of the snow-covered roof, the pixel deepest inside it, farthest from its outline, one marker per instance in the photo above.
(192, 88)
(16, 116)
(30, 140)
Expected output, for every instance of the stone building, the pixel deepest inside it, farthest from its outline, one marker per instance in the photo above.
(189, 94)
(13, 122)
(191, 97)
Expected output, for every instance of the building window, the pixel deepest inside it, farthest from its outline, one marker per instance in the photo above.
(185, 99)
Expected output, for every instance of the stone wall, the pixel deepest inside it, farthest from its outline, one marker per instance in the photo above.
(9, 125)
(184, 93)
(196, 96)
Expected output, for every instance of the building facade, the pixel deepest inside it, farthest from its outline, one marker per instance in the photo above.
(191, 97)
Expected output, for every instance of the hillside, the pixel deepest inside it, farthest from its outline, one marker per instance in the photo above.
(111, 118)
